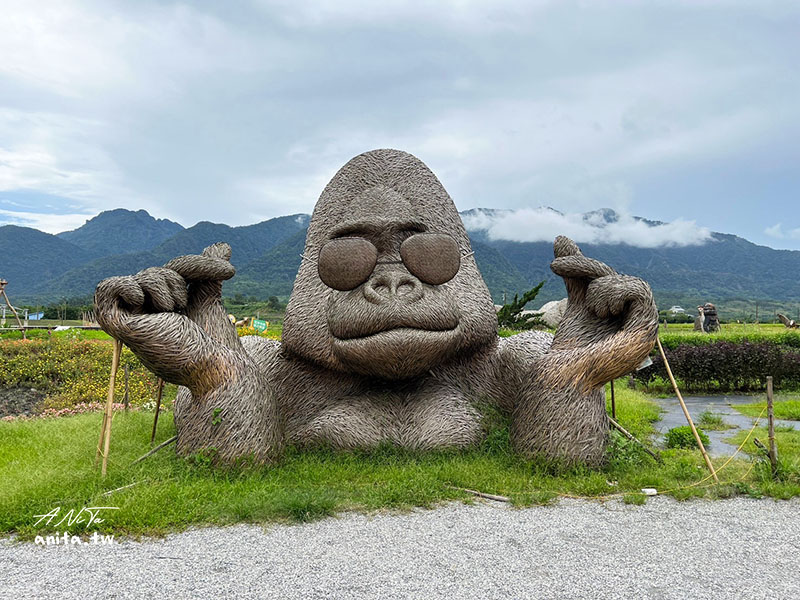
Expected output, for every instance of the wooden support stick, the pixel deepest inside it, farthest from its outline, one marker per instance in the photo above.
(158, 409)
(156, 449)
(760, 445)
(633, 438)
(773, 448)
(127, 399)
(124, 487)
(13, 310)
(105, 434)
(481, 494)
(613, 402)
(686, 412)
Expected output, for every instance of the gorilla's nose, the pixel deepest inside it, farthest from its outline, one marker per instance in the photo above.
(388, 286)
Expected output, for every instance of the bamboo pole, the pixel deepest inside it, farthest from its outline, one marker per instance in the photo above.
(3, 283)
(613, 402)
(108, 413)
(163, 444)
(633, 438)
(494, 497)
(159, 394)
(773, 448)
(686, 413)
(127, 399)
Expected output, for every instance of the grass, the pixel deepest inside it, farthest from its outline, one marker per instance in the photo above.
(66, 334)
(787, 407)
(760, 482)
(48, 463)
(713, 422)
(683, 333)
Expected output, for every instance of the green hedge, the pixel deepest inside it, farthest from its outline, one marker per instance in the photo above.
(789, 338)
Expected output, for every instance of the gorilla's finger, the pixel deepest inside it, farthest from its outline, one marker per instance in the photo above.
(563, 246)
(201, 268)
(577, 265)
(607, 296)
(111, 290)
(177, 286)
(154, 284)
(218, 250)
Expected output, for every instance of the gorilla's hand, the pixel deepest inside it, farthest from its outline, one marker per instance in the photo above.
(179, 331)
(610, 324)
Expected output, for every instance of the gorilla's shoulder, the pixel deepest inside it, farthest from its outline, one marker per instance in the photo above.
(261, 350)
(531, 343)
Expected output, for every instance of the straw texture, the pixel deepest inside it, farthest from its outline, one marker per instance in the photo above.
(395, 359)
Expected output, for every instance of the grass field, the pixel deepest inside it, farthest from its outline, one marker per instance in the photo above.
(786, 407)
(676, 334)
(48, 463)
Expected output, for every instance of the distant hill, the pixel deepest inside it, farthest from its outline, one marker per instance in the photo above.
(120, 231)
(248, 243)
(29, 257)
(43, 267)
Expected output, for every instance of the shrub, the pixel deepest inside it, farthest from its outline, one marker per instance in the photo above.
(73, 372)
(727, 366)
(775, 336)
(713, 422)
(682, 437)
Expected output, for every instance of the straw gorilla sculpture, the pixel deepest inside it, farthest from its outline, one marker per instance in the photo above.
(389, 336)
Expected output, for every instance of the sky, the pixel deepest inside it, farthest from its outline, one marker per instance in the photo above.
(686, 112)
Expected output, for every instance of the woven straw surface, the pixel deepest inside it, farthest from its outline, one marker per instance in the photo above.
(394, 359)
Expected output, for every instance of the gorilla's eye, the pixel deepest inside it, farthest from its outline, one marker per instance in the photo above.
(434, 258)
(346, 263)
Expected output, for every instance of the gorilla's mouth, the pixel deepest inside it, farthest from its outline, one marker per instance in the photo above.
(346, 330)
(397, 353)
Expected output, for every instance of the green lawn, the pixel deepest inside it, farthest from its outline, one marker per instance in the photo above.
(48, 463)
(760, 480)
(785, 407)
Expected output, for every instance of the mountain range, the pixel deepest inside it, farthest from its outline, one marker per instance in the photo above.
(42, 268)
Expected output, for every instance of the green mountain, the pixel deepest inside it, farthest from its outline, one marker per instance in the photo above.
(120, 231)
(30, 257)
(43, 267)
(248, 243)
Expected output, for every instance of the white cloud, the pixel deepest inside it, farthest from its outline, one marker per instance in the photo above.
(544, 224)
(462, 15)
(49, 223)
(240, 112)
(777, 232)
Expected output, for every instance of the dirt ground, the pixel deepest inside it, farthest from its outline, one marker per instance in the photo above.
(20, 400)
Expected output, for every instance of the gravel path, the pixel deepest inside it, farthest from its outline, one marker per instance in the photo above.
(736, 548)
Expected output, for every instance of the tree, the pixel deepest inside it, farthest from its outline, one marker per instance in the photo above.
(511, 317)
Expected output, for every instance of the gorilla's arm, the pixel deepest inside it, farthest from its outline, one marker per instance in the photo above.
(179, 331)
(558, 398)
(172, 318)
(609, 327)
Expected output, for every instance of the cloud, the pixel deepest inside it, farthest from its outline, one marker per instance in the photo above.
(242, 112)
(544, 224)
(47, 222)
(777, 232)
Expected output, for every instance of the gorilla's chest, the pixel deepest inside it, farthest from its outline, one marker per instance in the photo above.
(429, 416)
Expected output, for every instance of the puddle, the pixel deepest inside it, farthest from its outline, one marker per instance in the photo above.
(722, 405)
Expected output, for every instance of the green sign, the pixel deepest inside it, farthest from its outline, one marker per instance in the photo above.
(259, 325)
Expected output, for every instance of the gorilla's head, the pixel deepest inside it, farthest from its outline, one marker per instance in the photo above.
(388, 285)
